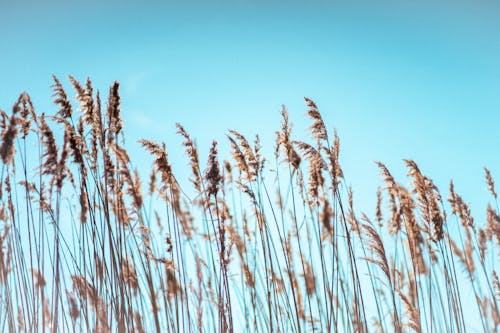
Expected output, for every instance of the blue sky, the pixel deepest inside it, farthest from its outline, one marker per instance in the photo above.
(398, 80)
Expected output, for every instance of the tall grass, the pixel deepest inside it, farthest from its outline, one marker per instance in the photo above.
(253, 244)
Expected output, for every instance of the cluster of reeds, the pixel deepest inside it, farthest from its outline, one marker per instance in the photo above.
(254, 243)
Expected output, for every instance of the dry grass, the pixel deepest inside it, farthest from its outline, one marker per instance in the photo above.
(252, 244)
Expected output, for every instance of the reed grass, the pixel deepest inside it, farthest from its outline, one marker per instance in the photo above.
(250, 244)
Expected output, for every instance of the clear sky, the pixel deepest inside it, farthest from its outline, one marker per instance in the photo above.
(402, 79)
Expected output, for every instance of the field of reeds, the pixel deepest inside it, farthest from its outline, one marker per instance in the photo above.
(89, 243)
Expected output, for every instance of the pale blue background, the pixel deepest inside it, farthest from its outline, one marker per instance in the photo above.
(397, 79)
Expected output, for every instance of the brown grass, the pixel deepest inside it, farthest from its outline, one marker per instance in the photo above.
(252, 243)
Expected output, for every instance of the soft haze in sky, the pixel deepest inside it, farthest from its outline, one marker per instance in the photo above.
(398, 80)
